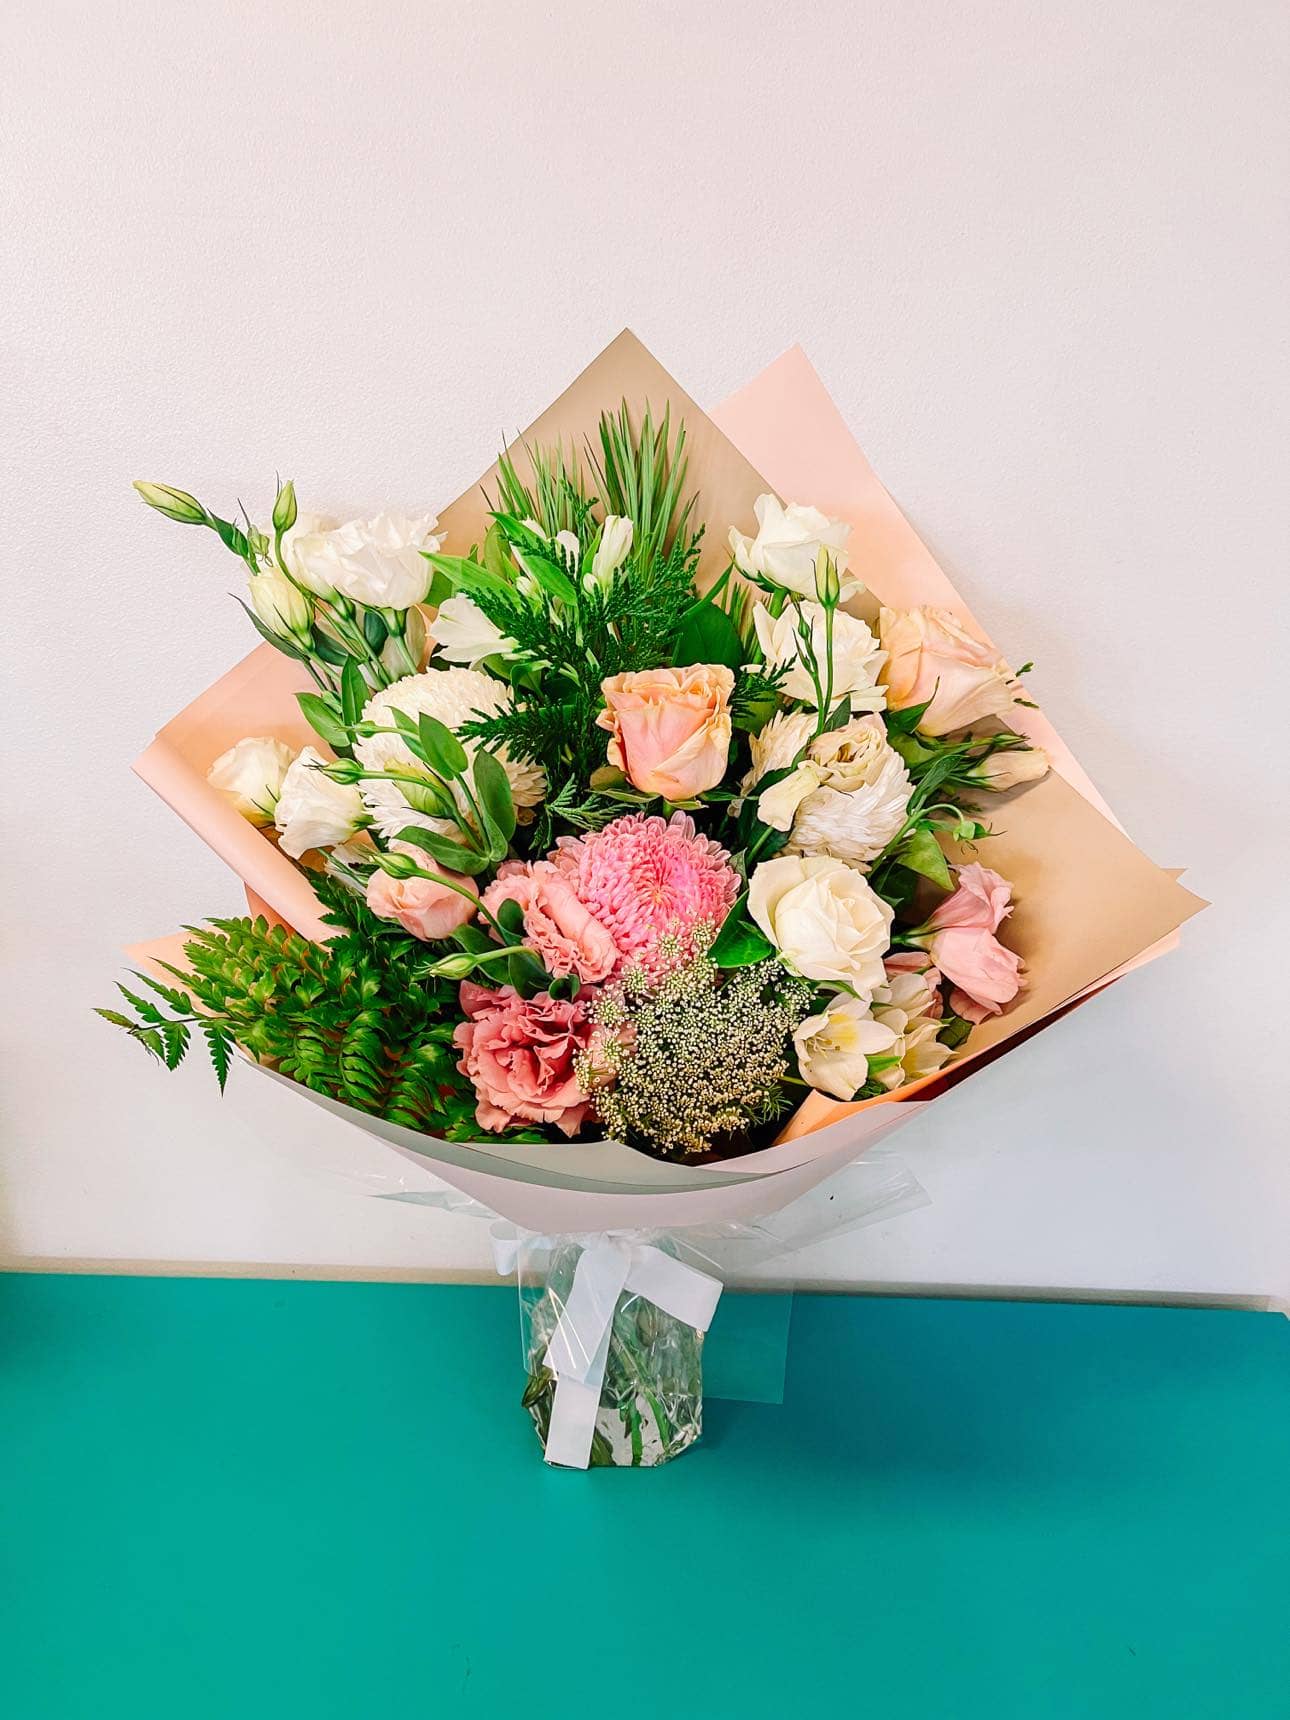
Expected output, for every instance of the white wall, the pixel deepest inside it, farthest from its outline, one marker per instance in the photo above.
(1038, 252)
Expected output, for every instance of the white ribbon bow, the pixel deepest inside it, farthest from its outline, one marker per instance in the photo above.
(578, 1352)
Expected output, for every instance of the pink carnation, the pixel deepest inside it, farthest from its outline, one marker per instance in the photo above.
(567, 937)
(520, 1054)
(648, 878)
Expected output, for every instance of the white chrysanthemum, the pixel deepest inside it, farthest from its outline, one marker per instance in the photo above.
(860, 804)
(453, 696)
(910, 1008)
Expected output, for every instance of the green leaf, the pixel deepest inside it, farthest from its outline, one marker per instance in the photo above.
(954, 1032)
(921, 852)
(217, 1043)
(910, 748)
(565, 988)
(374, 630)
(440, 748)
(510, 917)
(525, 972)
(494, 790)
(329, 650)
(708, 635)
(470, 577)
(906, 721)
(474, 939)
(115, 1016)
(497, 553)
(353, 691)
(323, 716)
(449, 854)
(739, 943)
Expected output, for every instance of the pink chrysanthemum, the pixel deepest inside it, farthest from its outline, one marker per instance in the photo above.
(652, 883)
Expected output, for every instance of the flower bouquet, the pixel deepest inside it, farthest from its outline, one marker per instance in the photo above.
(628, 844)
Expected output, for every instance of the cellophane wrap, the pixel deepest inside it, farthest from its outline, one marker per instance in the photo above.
(650, 1395)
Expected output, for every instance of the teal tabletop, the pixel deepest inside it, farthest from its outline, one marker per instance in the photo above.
(239, 1499)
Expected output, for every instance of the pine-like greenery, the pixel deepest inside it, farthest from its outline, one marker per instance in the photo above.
(356, 1019)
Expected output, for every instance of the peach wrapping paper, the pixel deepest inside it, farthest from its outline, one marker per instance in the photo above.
(1091, 905)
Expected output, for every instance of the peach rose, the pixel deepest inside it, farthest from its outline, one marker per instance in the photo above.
(961, 942)
(421, 906)
(670, 728)
(567, 937)
(520, 1053)
(931, 657)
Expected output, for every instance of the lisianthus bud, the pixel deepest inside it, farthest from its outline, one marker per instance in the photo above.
(284, 509)
(280, 606)
(828, 585)
(175, 504)
(453, 967)
(1010, 767)
(397, 865)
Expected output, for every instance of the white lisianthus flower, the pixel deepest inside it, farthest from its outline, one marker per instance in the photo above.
(1010, 767)
(250, 775)
(313, 811)
(834, 1047)
(453, 696)
(910, 1005)
(280, 607)
(303, 568)
(861, 798)
(857, 656)
(788, 544)
(377, 562)
(778, 804)
(464, 634)
(823, 918)
(612, 550)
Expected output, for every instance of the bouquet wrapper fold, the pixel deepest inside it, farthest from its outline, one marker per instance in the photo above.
(1090, 906)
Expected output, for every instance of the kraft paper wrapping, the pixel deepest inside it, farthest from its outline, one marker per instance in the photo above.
(1089, 904)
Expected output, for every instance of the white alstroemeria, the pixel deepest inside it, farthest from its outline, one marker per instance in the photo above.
(777, 745)
(777, 805)
(910, 1005)
(860, 801)
(313, 811)
(250, 775)
(379, 562)
(612, 550)
(305, 569)
(857, 656)
(284, 610)
(568, 542)
(834, 1047)
(464, 634)
(823, 918)
(788, 545)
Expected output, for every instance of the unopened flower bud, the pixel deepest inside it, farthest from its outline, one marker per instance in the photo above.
(284, 509)
(828, 586)
(175, 504)
(453, 967)
(279, 605)
(397, 865)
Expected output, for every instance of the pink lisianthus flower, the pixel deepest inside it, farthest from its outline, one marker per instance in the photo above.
(521, 1054)
(960, 940)
(653, 883)
(563, 931)
(422, 906)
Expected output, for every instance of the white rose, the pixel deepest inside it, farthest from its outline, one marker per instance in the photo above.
(302, 568)
(613, 549)
(823, 918)
(377, 562)
(862, 796)
(464, 634)
(788, 545)
(834, 1048)
(280, 607)
(313, 811)
(250, 774)
(911, 1007)
(857, 656)
(778, 804)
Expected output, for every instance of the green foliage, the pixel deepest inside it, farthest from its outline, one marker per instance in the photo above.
(356, 1019)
